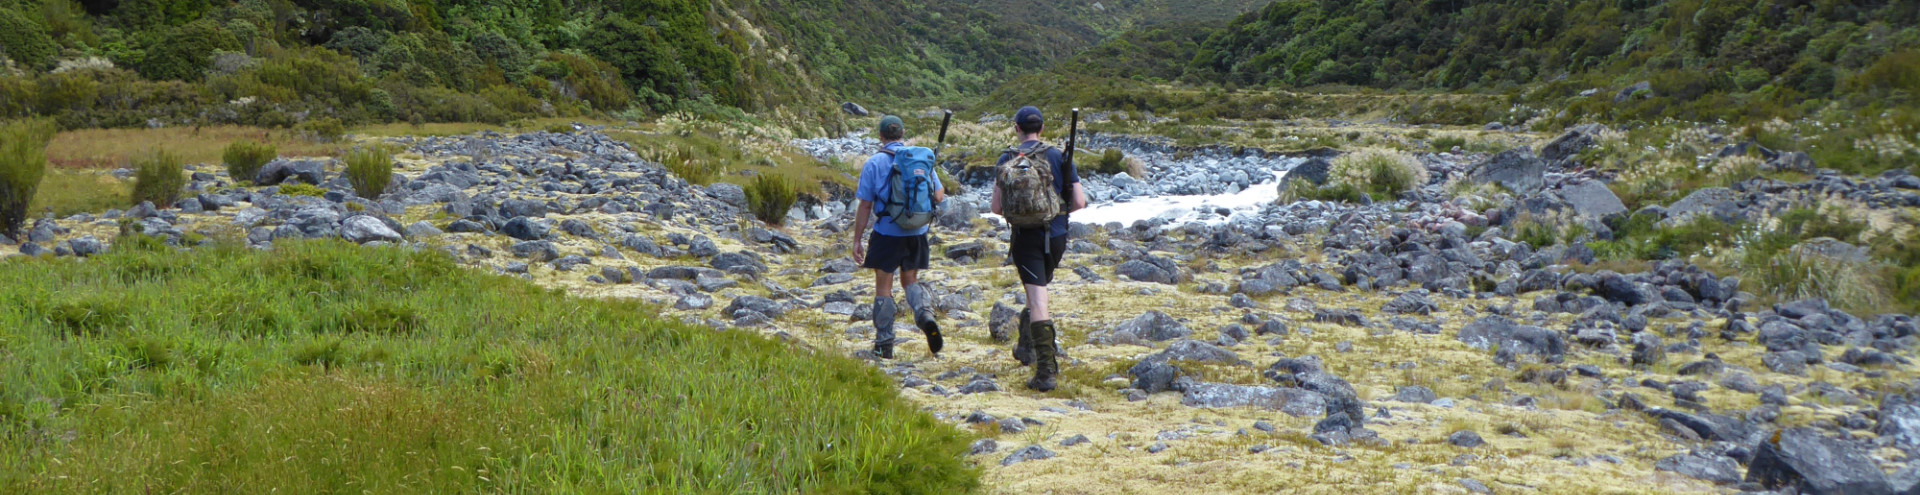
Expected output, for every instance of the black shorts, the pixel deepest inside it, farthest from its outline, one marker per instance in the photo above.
(891, 254)
(1035, 255)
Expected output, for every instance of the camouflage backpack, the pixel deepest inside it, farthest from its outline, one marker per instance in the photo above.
(1027, 195)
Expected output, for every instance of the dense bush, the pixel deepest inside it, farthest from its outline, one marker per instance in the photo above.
(244, 158)
(23, 163)
(158, 177)
(186, 52)
(24, 39)
(769, 196)
(369, 169)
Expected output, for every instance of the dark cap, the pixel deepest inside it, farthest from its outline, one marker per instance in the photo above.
(1028, 115)
(892, 126)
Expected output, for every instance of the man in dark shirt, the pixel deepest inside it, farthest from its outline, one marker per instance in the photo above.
(1037, 251)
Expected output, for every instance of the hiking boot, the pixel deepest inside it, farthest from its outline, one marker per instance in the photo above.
(882, 351)
(934, 341)
(922, 305)
(1023, 348)
(1045, 353)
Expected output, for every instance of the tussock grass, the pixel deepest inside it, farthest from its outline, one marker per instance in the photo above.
(323, 367)
(1379, 173)
(158, 177)
(769, 197)
(244, 158)
(23, 163)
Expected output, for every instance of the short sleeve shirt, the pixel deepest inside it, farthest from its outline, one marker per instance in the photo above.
(1064, 178)
(876, 185)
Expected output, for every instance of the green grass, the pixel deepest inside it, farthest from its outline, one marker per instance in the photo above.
(309, 190)
(68, 192)
(325, 368)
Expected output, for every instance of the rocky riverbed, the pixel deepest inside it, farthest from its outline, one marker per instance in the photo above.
(1303, 347)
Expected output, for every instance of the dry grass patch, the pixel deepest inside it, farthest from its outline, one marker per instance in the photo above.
(113, 148)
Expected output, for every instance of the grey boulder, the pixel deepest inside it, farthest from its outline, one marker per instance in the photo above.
(1802, 459)
(362, 229)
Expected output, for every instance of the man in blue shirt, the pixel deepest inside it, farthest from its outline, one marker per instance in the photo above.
(891, 248)
(1036, 253)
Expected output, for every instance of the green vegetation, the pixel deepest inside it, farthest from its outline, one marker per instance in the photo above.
(1448, 143)
(244, 159)
(322, 130)
(23, 163)
(261, 63)
(1379, 174)
(1112, 161)
(769, 197)
(158, 177)
(369, 169)
(70, 192)
(323, 366)
(298, 189)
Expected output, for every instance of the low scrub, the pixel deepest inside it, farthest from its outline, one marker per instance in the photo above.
(770, 196)
(23, 163)
(1114, 161)
(369, 169)
(1300, 190)
(158, 177)
(1859, 287)
(244, 159)
(1380, 172)
(322, 130)
(322, 366)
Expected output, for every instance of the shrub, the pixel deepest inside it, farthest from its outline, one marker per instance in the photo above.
(1527, 229)
(769, 197)
(1380, 172)
(324, 129)
(23, 162)
(244, 158)
(1110, 162)
(187, 51)
(369, 170)
(25, 39)
(159, 178)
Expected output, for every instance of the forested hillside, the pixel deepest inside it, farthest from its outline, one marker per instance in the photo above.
(108, 63)
(1776, 55)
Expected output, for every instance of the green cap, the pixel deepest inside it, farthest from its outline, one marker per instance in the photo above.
(892, 126)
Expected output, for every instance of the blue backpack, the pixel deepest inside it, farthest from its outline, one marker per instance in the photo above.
(910, 202)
